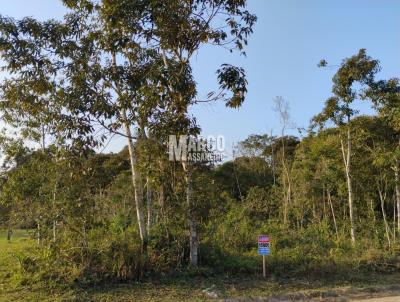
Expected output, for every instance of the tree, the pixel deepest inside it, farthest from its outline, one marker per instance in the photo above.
(119, 64)
(281, 107)
(385, 96)
(180, 29)
(358, 69)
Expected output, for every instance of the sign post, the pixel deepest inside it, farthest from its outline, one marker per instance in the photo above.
(264, 250)
(264, 268)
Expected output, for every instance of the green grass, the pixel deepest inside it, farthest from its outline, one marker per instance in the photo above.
(8, 250)
(14, 288)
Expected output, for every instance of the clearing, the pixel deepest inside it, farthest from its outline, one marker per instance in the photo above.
(189, 288)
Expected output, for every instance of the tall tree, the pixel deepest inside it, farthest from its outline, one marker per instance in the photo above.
(359, 69)
(121, 64)
(281, 107)
(386, 98)
(181, 28)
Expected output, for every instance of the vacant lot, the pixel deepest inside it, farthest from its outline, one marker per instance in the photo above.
(13, 287)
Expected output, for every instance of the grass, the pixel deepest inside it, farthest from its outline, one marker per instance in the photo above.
(190, 288)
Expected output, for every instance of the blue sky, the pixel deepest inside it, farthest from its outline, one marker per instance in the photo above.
(289, 39)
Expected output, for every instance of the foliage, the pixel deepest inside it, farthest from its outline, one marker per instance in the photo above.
(103, 217)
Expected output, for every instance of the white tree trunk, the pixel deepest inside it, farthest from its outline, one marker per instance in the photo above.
(39, 234)
(54, 210)
(137, 185)
(397, 195)
(382, 198)
(347, 164)
(286, 184)
(54, 231)
(161, 201)
(149, 202)
(136, 177)
(333, 213)
(193, 236)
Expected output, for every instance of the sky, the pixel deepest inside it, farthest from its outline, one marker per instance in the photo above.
(289, 40)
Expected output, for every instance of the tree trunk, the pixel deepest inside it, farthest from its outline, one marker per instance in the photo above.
(9, 234)
(333, 213)
(54, 230)
(394, 222)
(371, 205)
(39, 235)
(161, 201)
(136, 177)
(273, 160)
(347, 164)
(54, 209)
(324, 215)
(137, 185)
(287, 188)
(149, 201)
(193, 236)
(397, 186)
(236, 176)
(189, 190)
(382, 199)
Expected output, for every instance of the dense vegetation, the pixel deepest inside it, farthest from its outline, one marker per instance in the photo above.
(330, 200)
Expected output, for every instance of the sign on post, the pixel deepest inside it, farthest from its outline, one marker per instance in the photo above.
(263, 245)
(264, 249)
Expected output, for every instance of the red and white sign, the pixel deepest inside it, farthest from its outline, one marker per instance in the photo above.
(263, 245)
(263, 239)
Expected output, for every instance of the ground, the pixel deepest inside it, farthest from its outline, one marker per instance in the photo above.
(386, 299)
(219, 288)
